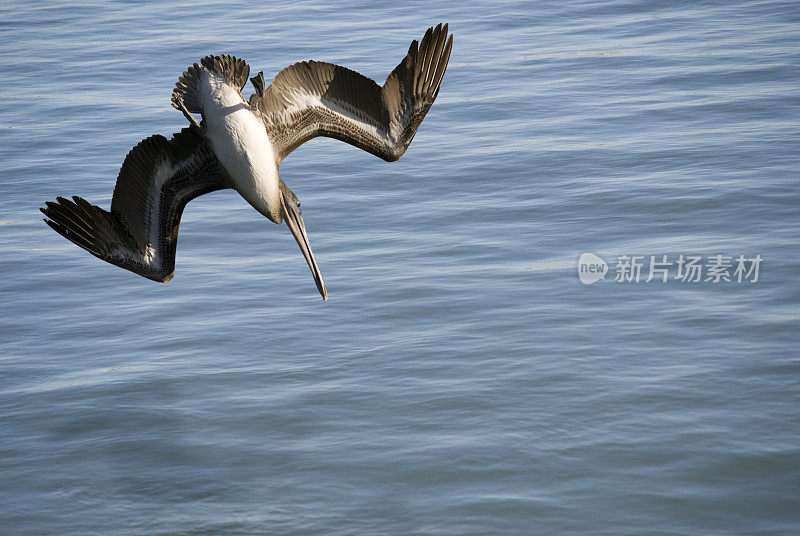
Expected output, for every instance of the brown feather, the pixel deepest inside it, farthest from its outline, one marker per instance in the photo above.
(158, 178)
(352, 107)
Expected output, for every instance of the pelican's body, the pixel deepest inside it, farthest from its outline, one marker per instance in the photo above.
(240, 143)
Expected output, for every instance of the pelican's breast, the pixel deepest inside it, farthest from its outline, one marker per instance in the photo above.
(240, 142)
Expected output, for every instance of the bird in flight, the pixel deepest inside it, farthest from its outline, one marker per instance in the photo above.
(240, 144)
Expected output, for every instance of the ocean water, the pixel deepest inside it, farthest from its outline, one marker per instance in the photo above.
(461, 379)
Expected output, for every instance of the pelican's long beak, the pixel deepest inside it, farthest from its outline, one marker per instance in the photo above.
(294, 219)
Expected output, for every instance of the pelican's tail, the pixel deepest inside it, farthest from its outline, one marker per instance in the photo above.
(186, 90)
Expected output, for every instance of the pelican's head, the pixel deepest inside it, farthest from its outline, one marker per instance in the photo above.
(290, 211)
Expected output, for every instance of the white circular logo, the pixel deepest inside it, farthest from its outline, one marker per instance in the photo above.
(591, 268)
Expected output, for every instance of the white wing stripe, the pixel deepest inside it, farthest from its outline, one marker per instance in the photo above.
(302, 100)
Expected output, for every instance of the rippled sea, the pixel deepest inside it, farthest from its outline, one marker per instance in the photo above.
(460, 380)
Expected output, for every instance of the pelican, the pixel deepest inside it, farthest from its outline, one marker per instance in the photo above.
(239, 143)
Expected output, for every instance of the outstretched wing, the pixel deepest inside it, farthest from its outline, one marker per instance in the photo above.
(312, 98)
(140, 233)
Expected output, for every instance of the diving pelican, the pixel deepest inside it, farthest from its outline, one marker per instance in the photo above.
(240, 143)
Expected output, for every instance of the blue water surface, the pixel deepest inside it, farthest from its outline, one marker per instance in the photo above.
(460, 379)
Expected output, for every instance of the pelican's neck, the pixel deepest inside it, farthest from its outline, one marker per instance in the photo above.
(240, 142)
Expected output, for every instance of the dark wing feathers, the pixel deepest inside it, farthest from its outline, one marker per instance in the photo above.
(186, 90)
(312, 98)
(82, 225)
(158, 178)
